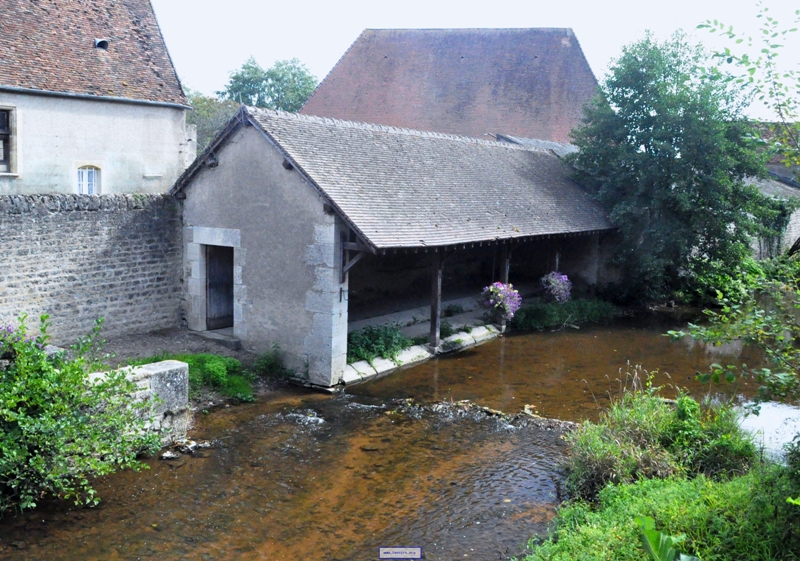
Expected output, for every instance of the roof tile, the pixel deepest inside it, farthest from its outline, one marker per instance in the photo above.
(403, 188)
(49, 45)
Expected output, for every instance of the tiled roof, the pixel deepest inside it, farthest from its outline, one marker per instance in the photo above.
(560, 149)
(785, 174)
(50, 45)
(774, 188)
(531, 83)
(401, 188)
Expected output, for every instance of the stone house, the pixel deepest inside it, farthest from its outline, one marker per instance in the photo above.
(530, 83)
(89, 100)
(780, 183)
(284, 214)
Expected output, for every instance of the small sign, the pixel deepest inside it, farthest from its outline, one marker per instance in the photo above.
(400, 553)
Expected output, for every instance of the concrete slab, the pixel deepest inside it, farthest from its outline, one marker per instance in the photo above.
(350, 375)
(483, 333)
(381, 365)
(363, 368)
(457, 341)
(414, 354)
(224, 337)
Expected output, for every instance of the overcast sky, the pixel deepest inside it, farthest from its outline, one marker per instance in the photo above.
(208, 38)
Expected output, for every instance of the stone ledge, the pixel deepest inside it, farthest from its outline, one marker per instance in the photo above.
(362, 371)
(66, 202)
(168, 382)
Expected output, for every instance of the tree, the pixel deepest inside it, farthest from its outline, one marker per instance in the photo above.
(778, 88)
(285, 86)
(665, 149)
(209, 114)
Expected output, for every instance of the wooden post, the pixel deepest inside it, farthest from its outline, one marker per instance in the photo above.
(505, 266)
(436, 299)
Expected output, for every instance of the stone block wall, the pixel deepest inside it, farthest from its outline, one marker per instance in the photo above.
(82, 257)
(165, 385)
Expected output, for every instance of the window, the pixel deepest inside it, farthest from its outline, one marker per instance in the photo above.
(89, 180)
(5, 141)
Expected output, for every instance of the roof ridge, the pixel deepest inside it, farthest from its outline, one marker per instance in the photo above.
(569, 30)
(390, 129)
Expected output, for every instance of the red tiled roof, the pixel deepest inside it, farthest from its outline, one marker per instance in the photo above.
(531, 83)
(49, 45)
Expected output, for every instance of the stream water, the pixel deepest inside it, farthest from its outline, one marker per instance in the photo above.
(300, 475)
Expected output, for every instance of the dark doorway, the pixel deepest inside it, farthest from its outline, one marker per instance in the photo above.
(219, 287)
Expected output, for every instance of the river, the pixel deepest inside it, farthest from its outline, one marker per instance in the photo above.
(300, 475)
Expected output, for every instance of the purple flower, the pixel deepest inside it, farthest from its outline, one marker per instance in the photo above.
(502, 299)
(557, 285)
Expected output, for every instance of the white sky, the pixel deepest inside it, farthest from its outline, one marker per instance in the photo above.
(208, 39)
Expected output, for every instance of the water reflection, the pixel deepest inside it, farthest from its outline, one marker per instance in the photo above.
(568, 375)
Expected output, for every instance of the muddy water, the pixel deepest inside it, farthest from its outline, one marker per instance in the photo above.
(569, 375)
(315, 477)
(308, 476)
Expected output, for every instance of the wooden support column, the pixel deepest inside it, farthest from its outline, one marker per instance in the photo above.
(505, 267)
(505, 263)
(436, 299)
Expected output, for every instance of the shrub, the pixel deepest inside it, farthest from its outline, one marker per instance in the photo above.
(376, 341)
(446, 329)
(746, 517)
(540, 315)
(269, 364)
(59, 427)
(642, 436)
(452, 310)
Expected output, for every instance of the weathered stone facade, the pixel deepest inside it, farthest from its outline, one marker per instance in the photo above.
(80, 257)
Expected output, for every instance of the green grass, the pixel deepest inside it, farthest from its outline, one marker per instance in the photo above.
(642, 436)
(689, 467)
(540, 315)
(746, 517)
(220, 373)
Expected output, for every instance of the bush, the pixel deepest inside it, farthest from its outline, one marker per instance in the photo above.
(269, 365)
(59, 428)
(446, 329)
(376, 341)
(545, 315)
(642, 436)
(220, 373)
(746, 517)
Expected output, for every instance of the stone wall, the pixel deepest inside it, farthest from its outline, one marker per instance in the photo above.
(165, 385)
(82, 257)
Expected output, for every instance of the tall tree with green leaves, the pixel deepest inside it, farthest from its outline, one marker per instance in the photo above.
(208, 114)
(774, 84)
(665, 149)
(285, 86)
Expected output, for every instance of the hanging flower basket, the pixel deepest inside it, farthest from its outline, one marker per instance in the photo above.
(502, 300)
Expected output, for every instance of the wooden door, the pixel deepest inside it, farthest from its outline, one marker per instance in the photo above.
(219, 287)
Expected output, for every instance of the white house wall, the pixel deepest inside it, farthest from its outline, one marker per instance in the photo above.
(286, 257)
(138, 148)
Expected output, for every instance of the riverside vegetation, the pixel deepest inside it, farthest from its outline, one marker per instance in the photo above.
(685, 465)
(59, 427)
(223, 374)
